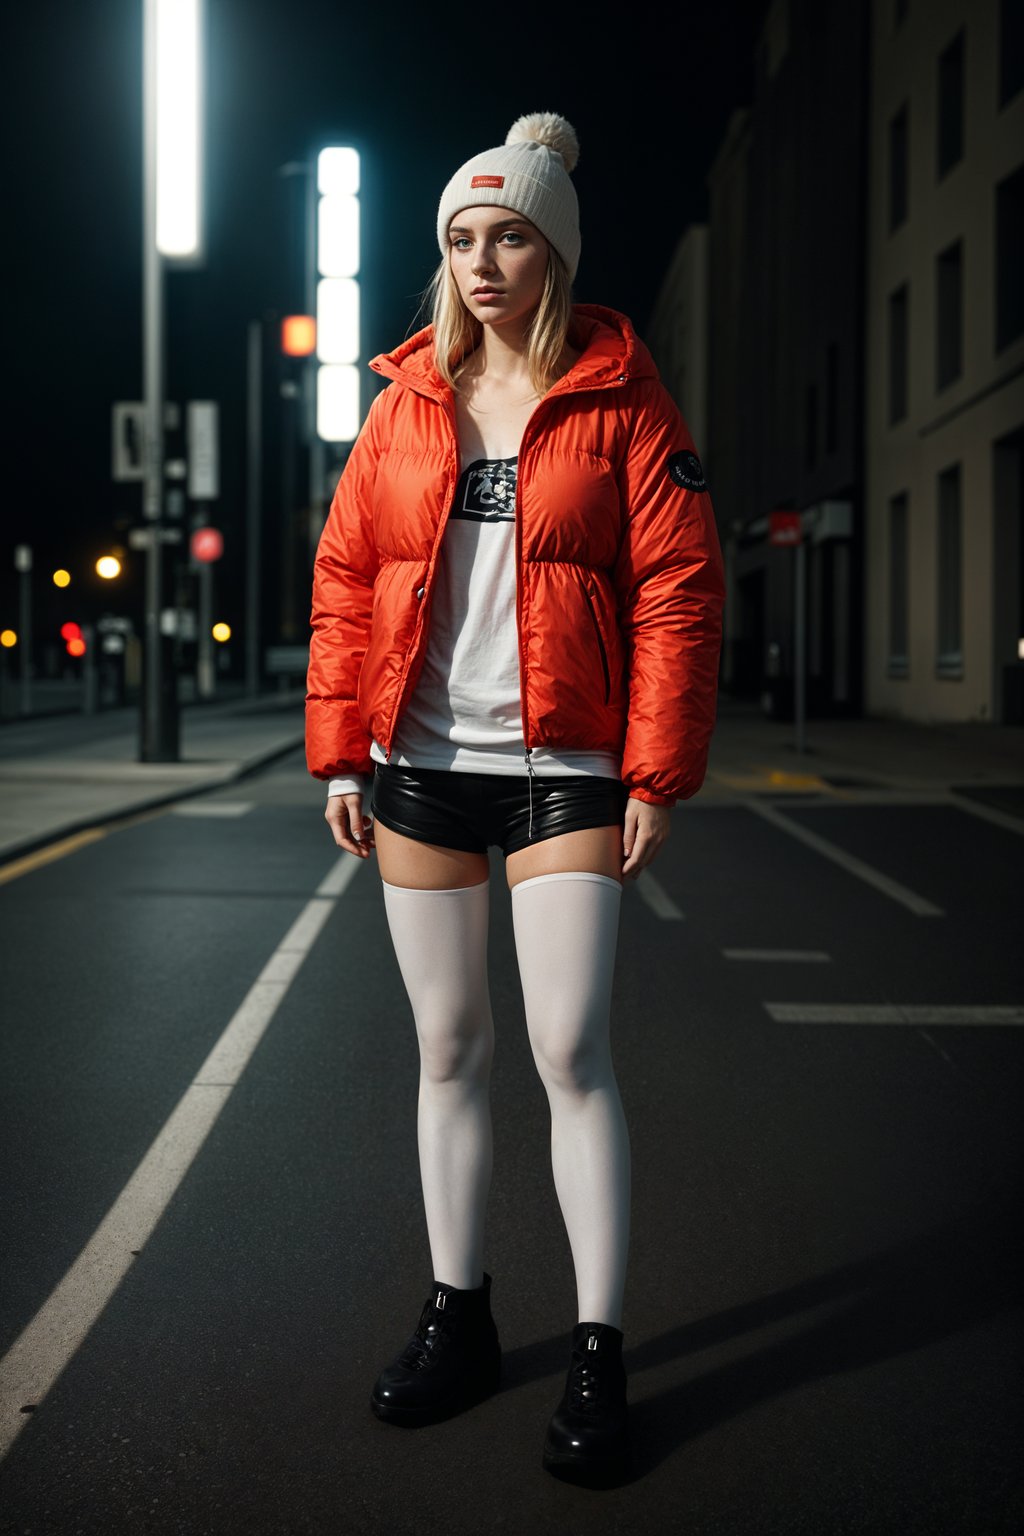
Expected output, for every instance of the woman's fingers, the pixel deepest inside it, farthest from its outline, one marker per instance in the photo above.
(352, 831)
(645, 829)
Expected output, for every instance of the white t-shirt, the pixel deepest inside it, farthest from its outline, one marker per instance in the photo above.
(464, 713)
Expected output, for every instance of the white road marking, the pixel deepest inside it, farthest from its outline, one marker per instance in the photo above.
(887, 1013)
(341, 876)
(848, 861)
(657, 898)
(212, 807)
(988, 813)
(800, 955)
(42, 1351)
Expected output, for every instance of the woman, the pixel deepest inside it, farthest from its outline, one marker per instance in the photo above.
(516, 615)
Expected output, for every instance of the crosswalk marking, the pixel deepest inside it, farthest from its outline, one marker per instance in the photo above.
(801, 956)
(890, 1013)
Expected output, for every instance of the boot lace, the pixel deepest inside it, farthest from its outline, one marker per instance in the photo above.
(430, 1333)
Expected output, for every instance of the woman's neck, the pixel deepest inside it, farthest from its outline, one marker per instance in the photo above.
(501, 355)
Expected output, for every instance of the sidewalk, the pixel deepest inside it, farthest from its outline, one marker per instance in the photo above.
(63, 775)
(865, 759)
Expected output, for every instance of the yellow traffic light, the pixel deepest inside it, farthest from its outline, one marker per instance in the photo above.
(221, 632)
(8, 638)
(108, 566)
(62, 578)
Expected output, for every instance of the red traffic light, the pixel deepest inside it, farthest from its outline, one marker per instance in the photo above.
(71, 631)
(207, 544)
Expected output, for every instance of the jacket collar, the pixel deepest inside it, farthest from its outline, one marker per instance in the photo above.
(610, 353)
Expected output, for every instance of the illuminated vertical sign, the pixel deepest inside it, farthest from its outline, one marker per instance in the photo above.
(337, 295)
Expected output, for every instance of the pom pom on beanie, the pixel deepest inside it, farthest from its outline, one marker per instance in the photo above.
(528, 173)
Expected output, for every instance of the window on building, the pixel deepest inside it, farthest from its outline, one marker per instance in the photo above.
(949, 627)
(811, 426)
(831, 397)
(1009, 258)
(1011, 49)
(899, 587)
(898, 307)
(950, 124)
(949, 323)
(898, 168)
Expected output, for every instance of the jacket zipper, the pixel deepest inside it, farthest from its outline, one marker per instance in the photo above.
(600, 645)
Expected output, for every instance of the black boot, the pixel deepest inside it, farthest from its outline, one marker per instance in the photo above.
(452, 1360)
(588, 1437)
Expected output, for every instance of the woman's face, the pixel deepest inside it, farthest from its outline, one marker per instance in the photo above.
(499, 261)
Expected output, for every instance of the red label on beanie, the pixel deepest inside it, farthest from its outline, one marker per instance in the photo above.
(487, 181)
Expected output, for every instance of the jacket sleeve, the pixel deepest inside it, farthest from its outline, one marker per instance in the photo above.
(670, 590)
(344, 571)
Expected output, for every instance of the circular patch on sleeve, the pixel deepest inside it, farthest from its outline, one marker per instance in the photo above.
(685, 469)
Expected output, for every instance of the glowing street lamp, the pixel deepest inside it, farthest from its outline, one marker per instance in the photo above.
(172, 234)
(109, 567)
(8, 639)
(179, 28)
(62, 578)
(221, 633)
(337, 294)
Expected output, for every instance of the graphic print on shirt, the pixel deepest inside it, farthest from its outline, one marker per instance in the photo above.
(486, 492)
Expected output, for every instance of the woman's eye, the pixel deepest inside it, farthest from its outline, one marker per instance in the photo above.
(459, 242)
(510, 234)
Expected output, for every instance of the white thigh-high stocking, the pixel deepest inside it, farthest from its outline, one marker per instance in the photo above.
(440, 940)
(566, 926)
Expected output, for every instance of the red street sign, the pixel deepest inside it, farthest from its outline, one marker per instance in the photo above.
(784, 528)
(206, 544)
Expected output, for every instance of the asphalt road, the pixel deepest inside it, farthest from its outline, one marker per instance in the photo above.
(823, 1319)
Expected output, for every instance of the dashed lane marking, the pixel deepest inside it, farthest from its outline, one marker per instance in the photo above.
(800, 956)
(887, 1013)
(658, 899)
(213, 808)
(848, 861)
(42, 1351)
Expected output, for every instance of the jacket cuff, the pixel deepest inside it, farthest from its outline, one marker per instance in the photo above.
(352, 784)
(651, 799)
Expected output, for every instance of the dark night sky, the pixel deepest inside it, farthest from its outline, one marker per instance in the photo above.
(417, 88)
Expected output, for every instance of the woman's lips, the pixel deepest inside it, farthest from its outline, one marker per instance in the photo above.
(486, 295)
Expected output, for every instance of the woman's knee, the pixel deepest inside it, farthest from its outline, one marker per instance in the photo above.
(572, 1062)
(455, 1049)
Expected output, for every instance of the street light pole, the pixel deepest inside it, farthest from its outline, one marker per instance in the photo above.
(253, 503)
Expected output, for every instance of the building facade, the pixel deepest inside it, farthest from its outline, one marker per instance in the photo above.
(944, 404)
(677, 331)
(786, 356)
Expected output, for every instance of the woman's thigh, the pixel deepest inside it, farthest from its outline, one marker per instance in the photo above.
(598, 850)
(425, 866)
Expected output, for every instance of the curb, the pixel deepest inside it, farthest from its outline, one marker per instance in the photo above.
(13, 852)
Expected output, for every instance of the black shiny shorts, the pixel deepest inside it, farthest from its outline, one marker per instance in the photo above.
(470, 811)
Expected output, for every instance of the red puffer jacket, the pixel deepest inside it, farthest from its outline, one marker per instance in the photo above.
(619, 573)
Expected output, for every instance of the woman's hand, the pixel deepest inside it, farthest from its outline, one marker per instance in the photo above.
(352, 831)
(646, 828)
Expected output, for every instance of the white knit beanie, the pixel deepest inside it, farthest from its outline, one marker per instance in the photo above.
(530, 173)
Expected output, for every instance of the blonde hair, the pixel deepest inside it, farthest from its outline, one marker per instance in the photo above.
(457, 334)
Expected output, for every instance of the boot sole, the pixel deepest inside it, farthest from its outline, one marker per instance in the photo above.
(468, 1395)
